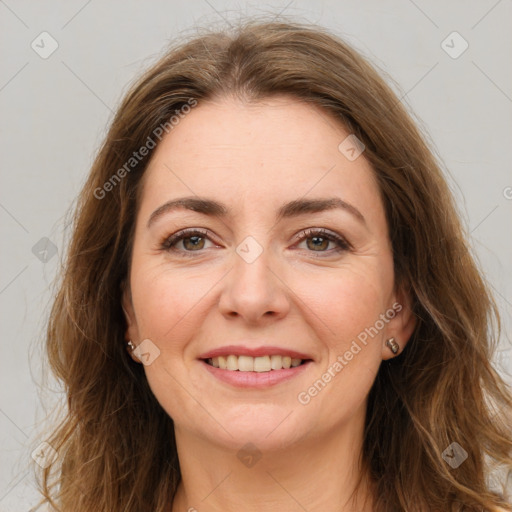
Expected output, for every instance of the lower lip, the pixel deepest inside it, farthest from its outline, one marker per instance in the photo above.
(256, 379)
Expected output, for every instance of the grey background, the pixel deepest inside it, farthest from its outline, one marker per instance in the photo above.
(54, 113)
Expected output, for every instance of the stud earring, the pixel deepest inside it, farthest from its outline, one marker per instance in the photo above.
(131, 345)
(393, 345)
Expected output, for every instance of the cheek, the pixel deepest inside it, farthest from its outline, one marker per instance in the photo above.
(165, 301)
(346, 302)
(167, 305)
(345, 308)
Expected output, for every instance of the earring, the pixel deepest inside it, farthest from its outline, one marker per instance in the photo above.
(393, 345)
(131, 345)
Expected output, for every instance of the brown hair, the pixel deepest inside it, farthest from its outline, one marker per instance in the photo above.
(116, 444)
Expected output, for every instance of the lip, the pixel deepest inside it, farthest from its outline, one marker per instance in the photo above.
(240, 350)
(256, 379)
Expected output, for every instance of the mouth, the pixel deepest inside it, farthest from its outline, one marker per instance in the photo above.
(258, 372)
(260, 364)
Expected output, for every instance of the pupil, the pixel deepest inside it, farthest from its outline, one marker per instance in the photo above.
(319, 242)
(193, 241)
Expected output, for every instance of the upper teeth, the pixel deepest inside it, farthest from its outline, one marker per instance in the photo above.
(254, 364)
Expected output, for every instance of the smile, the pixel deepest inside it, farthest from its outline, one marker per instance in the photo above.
(259, 364)
(267, 371)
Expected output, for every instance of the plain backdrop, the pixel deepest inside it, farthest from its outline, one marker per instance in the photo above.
(64, 68)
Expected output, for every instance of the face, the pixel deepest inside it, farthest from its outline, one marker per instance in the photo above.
(286, 261)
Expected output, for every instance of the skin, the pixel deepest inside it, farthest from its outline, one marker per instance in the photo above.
(254, 157)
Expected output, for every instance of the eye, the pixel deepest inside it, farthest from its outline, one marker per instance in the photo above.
(319, 240)
(186, 240)
(195, 240)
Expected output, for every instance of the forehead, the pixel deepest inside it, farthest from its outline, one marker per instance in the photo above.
(257, 153)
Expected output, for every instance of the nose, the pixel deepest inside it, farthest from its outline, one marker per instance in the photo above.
(254, 291)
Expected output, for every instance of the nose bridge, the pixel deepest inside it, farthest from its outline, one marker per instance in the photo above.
(252, 263)
(252, 289)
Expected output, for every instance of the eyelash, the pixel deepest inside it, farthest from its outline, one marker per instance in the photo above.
(168, 244)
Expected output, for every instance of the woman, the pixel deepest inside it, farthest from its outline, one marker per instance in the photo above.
(268, 302)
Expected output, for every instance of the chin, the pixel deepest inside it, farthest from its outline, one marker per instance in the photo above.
(270, 429)
(267, 427)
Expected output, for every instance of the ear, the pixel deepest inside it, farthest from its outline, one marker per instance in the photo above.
(401, 326)
(132, 332)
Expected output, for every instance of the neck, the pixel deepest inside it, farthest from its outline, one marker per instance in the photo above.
(315, 474)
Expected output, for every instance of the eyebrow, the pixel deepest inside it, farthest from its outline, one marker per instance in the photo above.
(291, 209)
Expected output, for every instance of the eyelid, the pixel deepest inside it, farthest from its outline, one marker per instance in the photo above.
(168, 241)
(342, 243)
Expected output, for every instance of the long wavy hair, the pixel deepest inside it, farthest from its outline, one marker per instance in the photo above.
(116, 444)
